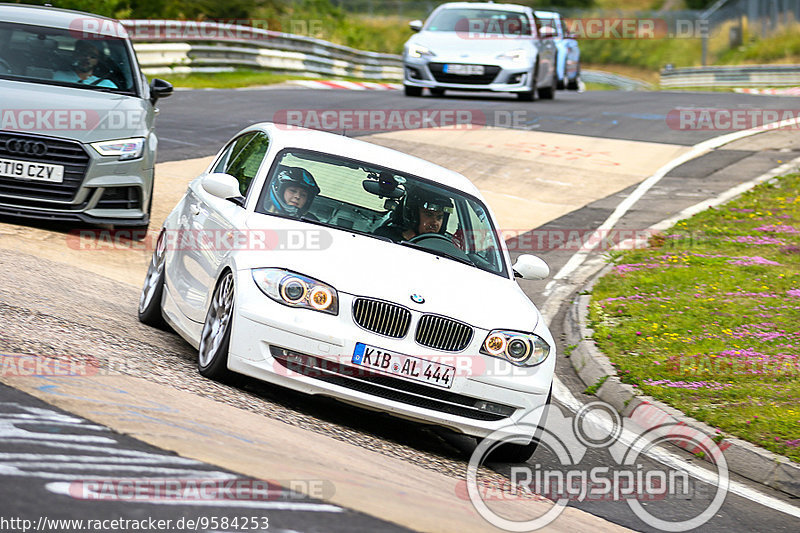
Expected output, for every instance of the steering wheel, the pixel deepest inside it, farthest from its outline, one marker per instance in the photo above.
(5, 66)
(423, 236)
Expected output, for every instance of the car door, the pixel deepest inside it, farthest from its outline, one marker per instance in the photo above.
(546, 49)
(212, 222)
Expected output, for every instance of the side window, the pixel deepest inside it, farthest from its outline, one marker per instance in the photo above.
(243, 158)
(245, 162)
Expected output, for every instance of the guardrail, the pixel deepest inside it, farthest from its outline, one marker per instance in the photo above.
(732, 76)
(607, 78)
(166, 47)
(169, 46)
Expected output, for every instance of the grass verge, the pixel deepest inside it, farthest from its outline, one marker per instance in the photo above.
(242, 78)
(706, 319)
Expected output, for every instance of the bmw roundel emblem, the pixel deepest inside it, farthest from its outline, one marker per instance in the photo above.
(416, 298)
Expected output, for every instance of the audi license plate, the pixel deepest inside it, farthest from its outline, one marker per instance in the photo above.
(25, 170)
(464, 70)
(403, 366)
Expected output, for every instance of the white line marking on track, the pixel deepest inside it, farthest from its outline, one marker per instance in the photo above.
(697, 150)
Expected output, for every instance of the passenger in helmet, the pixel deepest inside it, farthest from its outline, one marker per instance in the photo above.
(423, 211)
(292, 191)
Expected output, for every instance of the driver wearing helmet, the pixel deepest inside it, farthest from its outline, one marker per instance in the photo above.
(423, 211)
(292, 191)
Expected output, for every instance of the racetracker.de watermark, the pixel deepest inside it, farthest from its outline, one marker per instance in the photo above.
(716, 119)
(379, 119)
(188, 240)
(164, 490)
(60, 120)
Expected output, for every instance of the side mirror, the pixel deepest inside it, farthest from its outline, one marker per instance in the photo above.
(159, 89)
(547, 32)
(223, 186)
(531, 267)
(415, 25)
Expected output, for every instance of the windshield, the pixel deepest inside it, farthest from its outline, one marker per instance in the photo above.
(382, 203)
(491, 21)
(58, 57)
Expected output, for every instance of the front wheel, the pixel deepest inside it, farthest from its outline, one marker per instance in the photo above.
(530, 96)
(212, 359)
(520, 453)
(549, 92)
(412, 91)
(150, 299)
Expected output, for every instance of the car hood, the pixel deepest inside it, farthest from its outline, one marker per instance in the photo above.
(83, 115)
(451, 46)
(364, 266)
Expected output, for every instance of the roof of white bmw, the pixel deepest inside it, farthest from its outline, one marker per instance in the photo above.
(321, 141)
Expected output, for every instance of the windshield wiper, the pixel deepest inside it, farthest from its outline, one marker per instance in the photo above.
(437, 252)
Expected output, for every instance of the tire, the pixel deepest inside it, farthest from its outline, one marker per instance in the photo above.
(530, 96)
(521, 453)
(549, 92)
(437, 92)
(412, 91)
(153, 289)
(212, 357)
(575, 84)
(560, 84)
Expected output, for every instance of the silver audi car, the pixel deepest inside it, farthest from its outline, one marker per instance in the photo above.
(77, 141)
(469, 46)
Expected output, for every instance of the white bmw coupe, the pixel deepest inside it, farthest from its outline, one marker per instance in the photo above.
(333, 266)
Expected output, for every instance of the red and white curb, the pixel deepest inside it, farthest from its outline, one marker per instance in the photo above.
(788, 91)
(347, 85)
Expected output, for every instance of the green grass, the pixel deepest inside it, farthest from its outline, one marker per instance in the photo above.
(706, 319)
(242, 78)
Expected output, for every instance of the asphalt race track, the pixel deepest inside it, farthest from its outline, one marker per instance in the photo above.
(156, 417)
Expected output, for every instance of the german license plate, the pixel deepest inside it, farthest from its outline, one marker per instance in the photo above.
(464, 70)
(26, 170)
(403, 366)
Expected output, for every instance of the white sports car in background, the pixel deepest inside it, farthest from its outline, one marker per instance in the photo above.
(337, 267)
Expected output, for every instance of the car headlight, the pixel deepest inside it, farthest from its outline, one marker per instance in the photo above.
(521, 349)
(296, 290)
(515, 56)
(417, 51)
(124, 148)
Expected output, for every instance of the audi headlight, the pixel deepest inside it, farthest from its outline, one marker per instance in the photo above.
(417, 51)
(520, 349)
(124, 148)
(515, 56)
(296, 290)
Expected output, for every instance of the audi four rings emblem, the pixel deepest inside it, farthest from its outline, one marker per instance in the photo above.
(21, 146)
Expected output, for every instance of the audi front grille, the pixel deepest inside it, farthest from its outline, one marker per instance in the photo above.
(381, 317)
(442, 333)
(38, 149)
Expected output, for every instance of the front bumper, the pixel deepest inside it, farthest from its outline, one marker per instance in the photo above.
(311, 352)
(94, 189)
(502, 77)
